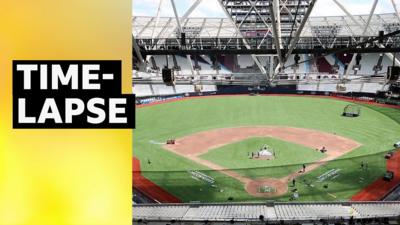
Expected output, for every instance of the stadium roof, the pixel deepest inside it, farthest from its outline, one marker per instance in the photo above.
(146, 27)
(210, 8)
(265, 27)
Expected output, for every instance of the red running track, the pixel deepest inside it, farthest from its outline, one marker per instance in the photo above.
(380, 188)
(148, 188)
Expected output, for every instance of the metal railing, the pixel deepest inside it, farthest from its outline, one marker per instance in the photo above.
(259, 43)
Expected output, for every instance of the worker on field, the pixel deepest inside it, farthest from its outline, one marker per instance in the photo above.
(295, 195)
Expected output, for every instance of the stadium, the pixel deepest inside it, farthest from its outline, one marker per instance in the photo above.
(267, 114)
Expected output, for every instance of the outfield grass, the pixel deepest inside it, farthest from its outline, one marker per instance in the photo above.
(376, 129)
(288, 157)
(394, 114)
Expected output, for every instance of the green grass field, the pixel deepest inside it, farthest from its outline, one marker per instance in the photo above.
(377, 129)
(287, 160)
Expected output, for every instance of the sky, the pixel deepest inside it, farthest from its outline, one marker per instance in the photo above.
(210, 8)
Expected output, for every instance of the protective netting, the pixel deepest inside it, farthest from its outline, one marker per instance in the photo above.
(352, 111)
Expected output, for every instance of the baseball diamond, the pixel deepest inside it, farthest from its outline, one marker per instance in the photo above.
(317, 152)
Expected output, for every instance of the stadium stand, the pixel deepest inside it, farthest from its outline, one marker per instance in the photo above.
(320, 81)
(272, 213)
(377, 210)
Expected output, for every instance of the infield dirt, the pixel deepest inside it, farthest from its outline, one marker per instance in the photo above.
(194, 145)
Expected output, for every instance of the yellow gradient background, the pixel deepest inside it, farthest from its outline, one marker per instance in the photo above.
(57, 177)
